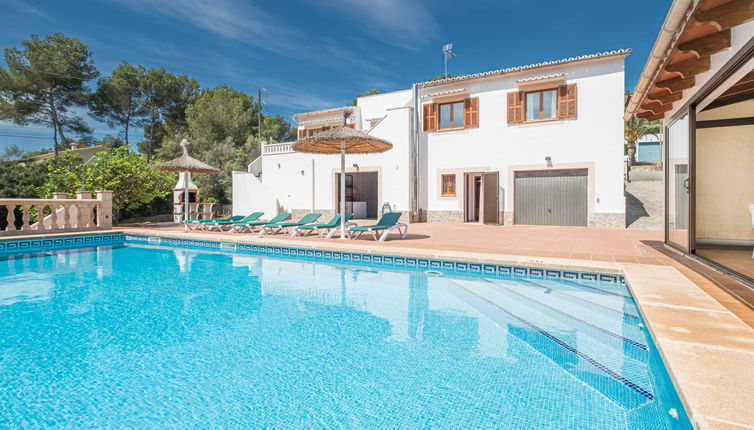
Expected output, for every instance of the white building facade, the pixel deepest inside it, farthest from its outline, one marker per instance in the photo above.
(538, 144)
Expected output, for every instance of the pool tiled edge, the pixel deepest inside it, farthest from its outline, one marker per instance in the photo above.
(385, 259)
(59, 241)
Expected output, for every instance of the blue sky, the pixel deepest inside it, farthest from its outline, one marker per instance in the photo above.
(319, 54)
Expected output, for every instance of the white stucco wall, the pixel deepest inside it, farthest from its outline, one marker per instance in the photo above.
(593, 140)
(297, 184)
(594, 137)
(376, 106)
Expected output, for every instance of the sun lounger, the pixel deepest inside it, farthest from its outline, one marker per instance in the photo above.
(199, 224)
(387, 223)
(329, 228)
(221, 224)
(239, 227)
(277, 227)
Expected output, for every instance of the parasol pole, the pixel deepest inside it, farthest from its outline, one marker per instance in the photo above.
(342, 189)
(185, 196)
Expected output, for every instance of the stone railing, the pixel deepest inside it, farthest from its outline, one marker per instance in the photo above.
(80, 214)
(277, 148)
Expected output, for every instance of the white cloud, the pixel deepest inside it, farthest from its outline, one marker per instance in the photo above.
(404, 23)
(248, 24)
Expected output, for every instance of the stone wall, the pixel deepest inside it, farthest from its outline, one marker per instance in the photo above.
(445, 216)
(607, 220)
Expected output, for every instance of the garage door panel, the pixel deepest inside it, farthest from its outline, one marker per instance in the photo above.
(551, 197)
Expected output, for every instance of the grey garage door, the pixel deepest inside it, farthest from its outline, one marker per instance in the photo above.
(551, 197)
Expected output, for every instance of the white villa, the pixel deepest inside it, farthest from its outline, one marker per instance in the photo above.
(539, 144)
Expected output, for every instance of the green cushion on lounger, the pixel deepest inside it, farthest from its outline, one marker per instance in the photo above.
(248, 218)
(306, 219)
(333, 223)
(278, 218)
(386, 221)
(212, 221)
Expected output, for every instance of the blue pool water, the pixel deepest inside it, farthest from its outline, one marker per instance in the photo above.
(142, 336)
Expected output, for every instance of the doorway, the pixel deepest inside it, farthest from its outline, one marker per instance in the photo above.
(481, 199)
(361, 194)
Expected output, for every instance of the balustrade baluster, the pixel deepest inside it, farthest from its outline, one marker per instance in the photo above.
(40, 217)
(53, 218)
(66, 216)
(25, 224)
(11, 218)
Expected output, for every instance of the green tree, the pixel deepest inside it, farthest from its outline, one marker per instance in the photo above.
(277, 129)
(18, 180)
(167, 96)
(12, 153)
(119, 100)
(636, 128)
(371, 92)
(44, 81)
(221, 113)
(127, 174)
(441, 77)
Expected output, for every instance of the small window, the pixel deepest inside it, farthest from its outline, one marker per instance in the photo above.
(448, 186)
(451, 115)
(541, 105)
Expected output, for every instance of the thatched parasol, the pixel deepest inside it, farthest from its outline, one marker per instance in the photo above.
(185, 163)
(342, 140)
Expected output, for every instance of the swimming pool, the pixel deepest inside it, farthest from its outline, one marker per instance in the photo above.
(142, 335)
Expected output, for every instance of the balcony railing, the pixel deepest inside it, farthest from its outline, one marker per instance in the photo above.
(277, 148)
(80, 214)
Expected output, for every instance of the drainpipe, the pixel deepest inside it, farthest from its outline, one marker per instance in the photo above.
(414, 169)
(663, 45)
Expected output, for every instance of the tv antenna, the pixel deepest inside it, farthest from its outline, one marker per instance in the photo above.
(447, 52)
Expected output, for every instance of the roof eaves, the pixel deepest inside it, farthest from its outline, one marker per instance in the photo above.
(619, 52)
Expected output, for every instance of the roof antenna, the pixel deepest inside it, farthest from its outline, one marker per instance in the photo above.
(447, 52)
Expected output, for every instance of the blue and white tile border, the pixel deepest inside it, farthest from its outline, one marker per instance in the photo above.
(371, 259)
(46, 243)
(24, 245)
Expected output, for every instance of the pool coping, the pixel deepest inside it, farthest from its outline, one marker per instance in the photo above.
(693, 332)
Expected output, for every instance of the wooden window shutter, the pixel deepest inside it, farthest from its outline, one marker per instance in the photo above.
(471, 112)
(430, 117)
(516, 107)
(567, 101)
(301, 134)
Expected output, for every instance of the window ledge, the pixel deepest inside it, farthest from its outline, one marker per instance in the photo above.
(543, 121)
(446, 130)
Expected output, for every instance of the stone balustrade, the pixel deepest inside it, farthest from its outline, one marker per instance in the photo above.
(63, 214)
(277, 148)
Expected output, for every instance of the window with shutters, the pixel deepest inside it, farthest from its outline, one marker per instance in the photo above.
(540, 105)
(452, 115)
(448, 186)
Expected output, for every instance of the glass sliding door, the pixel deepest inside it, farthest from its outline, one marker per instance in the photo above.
(677, 184)
(724, 176)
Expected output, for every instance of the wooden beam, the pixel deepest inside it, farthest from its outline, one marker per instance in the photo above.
(658, 117)
(676, 84)
(690, 67)
(729, 122)
(657, 107)
(707, 45)
(666, 97)
(727, 15)
(649, 116)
